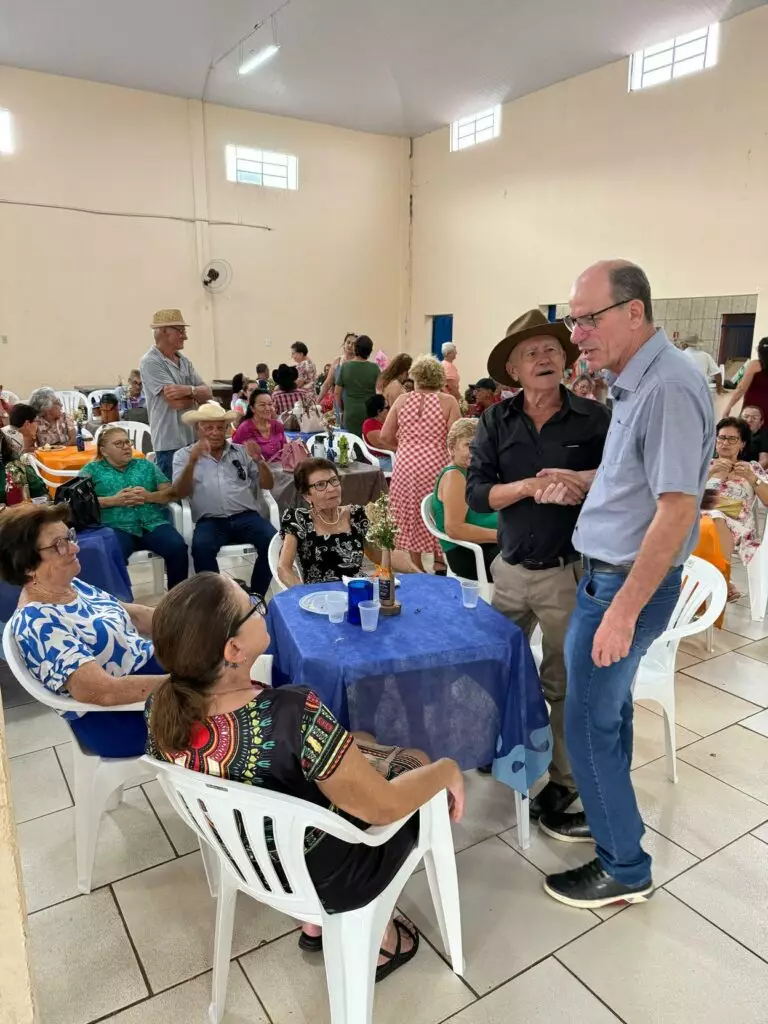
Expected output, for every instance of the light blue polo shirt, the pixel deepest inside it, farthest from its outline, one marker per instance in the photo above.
(660, 440)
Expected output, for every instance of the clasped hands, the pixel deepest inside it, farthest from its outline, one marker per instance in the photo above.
(558, 487)
(130, 496)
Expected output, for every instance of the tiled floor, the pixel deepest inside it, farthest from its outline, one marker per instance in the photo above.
(138, 949)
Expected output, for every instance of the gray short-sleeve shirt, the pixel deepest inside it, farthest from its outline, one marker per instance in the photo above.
(221, 487)
(168, 432)
(660, 441)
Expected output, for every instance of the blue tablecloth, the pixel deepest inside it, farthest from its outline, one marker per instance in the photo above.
(453, 681)
(101, 564)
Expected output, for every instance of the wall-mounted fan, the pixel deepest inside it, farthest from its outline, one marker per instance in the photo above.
(217, 276)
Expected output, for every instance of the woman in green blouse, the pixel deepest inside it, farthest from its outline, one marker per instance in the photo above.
(132, 493)
(16, 477)
(356, 383)
(452, 514)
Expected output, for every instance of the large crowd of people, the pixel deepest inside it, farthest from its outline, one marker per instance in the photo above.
(586, 466)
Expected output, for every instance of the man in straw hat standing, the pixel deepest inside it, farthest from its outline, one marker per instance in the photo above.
(543, 429)
(222, 481)
(172, 385)
(637, 527)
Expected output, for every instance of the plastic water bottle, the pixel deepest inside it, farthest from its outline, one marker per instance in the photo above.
(79, 439)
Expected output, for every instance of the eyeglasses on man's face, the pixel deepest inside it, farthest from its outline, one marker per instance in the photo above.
(323, 485)
(61, 544)
(588, 322)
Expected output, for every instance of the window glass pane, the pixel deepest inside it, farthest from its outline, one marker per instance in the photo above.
(249, 178)
(274, 158)
(274, 182)
(694, 49)
(279, 169)
(261, 167)
(487, 133)
(230, 154)
(654, 77)
(700, 33)
(650, 50)
(687, 67)
(659, 60)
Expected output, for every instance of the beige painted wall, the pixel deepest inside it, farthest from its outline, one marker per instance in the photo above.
(77, 289)
(674, 177)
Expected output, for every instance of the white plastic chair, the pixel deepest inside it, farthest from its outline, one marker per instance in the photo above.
(486, 585)
(72, 400)
(94, 397)
(273, 554)
(353, 440)
(213, 808)
(98, 780)
(136, 432)
(757, 577)
(157, 564)
(655, 679)
(51, 477)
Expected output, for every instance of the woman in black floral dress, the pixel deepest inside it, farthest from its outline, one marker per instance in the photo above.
(326, 540)
(209, 716)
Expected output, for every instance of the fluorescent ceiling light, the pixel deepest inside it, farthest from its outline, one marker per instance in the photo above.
(257, 57)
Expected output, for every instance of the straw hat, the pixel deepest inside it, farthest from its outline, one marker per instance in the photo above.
(530, 325)
(168, 318)
(208, 412)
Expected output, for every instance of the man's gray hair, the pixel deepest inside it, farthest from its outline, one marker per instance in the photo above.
(628, 281)
(42, 399)
(448, 347)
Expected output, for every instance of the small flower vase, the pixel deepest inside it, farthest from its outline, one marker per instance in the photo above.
(343, 451)
(388, 602)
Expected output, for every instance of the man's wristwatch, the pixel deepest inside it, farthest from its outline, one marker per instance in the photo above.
(192, 394)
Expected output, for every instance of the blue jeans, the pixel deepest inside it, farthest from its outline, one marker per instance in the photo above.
(598, 721)
(164, 541)
(213, 532)
(164, 461)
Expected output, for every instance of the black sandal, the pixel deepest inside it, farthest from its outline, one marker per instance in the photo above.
(398, 958)
(311, 943)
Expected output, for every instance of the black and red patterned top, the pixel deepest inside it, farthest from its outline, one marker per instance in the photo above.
(285, 740)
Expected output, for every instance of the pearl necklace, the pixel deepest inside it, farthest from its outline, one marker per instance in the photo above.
(329, 522)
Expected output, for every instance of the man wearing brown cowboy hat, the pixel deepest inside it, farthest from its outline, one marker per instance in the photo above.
(172, 385)
(520, 445)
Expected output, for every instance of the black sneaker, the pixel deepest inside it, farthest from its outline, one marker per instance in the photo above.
(554, 798)
(590, 887)
(568, 828)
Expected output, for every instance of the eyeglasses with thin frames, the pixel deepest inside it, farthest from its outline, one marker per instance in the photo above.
(323, 485)
(258, 607)
(588, 322)
(61, 544)
(726, 439)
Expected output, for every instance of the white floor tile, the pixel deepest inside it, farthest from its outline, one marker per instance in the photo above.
(130, 839)
(757, 723)
(762, 833)
(551, 856)
(507, 926)
(662, 962)
(170, 915)
(33, 726)
(706, 709)
(684, 659)
(699, 813)
(83, 964)
(292, 987)
(12, 693)
(38, 785)
(737, 756)
(730, 889)
(181, 835)
(737, 674)
(649, 737)
(757, 650)
(722, 642)
(547, 994)
(489, 809)
(739, 620)
(188, 1004)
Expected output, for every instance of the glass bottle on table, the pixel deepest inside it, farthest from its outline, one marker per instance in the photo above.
(79, 439)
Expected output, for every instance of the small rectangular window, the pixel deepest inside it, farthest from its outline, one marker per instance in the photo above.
(468, 131)
(676, 57)
(262, 167)
(6, 132)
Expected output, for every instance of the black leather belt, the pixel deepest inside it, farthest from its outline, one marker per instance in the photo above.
(549, 563)
(596, 565)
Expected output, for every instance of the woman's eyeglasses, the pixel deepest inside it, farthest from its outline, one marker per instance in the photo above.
(323, 485)
(121, 444)
(258, 607)
(61, 544)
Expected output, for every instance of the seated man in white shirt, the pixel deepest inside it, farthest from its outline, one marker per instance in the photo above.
(704, 361)
(222, 481)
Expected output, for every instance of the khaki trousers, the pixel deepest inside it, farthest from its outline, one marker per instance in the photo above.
(546, 596)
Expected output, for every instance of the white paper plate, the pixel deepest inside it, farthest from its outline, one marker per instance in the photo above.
(317, 602)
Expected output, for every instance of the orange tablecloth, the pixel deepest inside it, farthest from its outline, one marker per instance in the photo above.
(70, 457)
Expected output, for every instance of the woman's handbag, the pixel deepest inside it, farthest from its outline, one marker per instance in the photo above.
(84, 508)
(294, 453)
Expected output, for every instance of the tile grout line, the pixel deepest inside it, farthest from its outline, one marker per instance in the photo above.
(608, 1007)
(130, 939)
(252, 987)
(159, 820)
(64, 776)
(718, 927)
(704, 859)
(730, 785)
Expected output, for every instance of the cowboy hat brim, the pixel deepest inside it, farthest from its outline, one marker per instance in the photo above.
(499, 357)
(196, 416)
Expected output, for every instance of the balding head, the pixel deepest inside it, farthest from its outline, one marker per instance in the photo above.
(611, 306)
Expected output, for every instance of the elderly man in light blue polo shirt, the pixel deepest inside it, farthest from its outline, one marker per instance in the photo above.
(637, 526)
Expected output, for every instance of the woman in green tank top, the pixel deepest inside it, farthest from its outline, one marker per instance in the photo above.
(452, 514)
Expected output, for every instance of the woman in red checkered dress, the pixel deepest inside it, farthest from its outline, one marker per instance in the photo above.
(417, 427)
